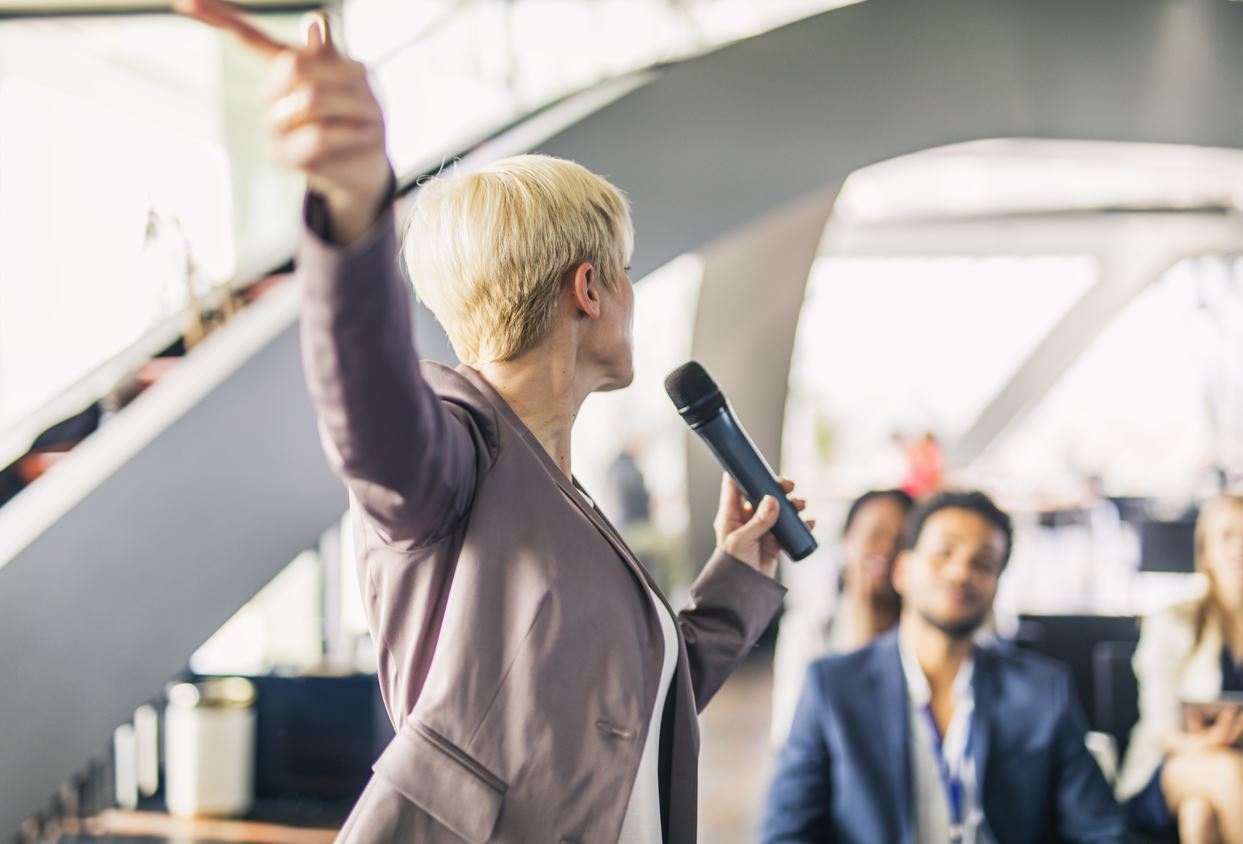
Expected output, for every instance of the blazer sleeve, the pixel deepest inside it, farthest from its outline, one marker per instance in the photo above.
(408, 461)
(798, 808)
(1087, 812)
(731, 605)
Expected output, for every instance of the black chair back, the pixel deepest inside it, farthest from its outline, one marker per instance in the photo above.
(1116, 691)
(1074, 639)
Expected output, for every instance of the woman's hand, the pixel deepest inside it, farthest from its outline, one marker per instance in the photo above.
(743, 531)
(320, 114)
(1224, 732)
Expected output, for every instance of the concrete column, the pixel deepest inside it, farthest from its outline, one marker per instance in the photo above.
(749, 302)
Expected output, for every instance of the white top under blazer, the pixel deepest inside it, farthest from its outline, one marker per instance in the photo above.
(1170, 670)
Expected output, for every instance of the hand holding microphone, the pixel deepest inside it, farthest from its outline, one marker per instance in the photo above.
(320, 112)
(704, 408)
(745, 532)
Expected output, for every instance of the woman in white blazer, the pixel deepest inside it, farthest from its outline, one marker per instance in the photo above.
(1189, 776)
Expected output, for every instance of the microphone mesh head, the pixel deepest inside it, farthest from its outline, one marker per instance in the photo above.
(688, 384)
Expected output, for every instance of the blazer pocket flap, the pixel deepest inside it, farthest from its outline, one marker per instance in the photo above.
(442, 780)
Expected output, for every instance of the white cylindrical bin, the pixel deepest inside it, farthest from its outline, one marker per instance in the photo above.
(147, 740)
(209, 748)
(125, 771)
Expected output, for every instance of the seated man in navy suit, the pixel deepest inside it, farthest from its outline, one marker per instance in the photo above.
(925, 737)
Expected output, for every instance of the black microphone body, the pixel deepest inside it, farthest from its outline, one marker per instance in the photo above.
(708, 413)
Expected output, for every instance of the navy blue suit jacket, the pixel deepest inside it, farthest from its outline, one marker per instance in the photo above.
(845, 772)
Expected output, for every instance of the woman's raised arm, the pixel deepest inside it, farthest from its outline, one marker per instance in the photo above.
(408, 461)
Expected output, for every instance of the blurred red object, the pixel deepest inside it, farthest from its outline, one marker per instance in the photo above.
(31, 466)
(925, 467)
(154, 369)
(262, 286)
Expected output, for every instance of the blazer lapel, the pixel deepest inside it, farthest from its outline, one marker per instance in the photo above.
(895, 727)
(579, 496)
(568, 487)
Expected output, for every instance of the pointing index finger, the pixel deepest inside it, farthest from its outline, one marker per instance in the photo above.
(315, 34)
(226, 16)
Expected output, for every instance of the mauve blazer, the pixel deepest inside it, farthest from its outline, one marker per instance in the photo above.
(519, 653)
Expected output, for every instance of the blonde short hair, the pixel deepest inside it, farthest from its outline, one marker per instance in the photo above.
(487, 250)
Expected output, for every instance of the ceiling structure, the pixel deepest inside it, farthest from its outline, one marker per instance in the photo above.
(14, 9)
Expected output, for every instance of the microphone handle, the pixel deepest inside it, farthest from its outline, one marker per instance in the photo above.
(728, 441)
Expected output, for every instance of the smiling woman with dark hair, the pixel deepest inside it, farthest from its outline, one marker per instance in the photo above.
(866, 604)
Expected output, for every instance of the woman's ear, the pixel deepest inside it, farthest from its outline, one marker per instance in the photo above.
(584, 284)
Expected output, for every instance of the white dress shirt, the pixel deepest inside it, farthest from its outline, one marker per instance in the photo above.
(928, 789)
(641, 825)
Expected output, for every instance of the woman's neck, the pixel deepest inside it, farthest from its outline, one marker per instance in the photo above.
(543, 388)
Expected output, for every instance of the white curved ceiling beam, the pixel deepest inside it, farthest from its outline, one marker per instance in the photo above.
(1138, 251)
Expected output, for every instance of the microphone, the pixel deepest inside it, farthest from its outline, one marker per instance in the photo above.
(704, 408)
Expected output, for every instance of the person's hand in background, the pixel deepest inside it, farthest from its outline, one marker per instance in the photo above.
(1225, 731)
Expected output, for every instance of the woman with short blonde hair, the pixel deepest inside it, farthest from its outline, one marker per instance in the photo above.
(541, 687)
(1189, 777)
(486, 250)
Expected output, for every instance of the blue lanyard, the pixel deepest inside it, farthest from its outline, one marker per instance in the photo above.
(952, 780)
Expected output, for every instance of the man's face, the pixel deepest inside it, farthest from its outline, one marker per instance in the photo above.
(950, 576)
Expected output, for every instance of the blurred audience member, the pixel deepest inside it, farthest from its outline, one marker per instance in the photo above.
(866, 604)
(627, 503)
(626, 500)
(1189, 777)
(924, 736)
(925, 465)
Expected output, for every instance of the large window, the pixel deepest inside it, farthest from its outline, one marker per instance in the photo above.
(891, 348)
(115, 198)
(941, 277)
